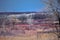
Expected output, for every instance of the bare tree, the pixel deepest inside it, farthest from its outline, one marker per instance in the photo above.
(53, 6)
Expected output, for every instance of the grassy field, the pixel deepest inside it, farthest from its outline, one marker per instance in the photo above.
(40, 36)
(18, 38)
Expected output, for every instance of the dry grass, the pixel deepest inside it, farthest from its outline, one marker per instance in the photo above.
(41, 36)
(47, 36)
(18, 38)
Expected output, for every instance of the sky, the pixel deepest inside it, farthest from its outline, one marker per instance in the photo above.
(21, 5)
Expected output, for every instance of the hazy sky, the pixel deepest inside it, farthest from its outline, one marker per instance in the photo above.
(21, 5)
